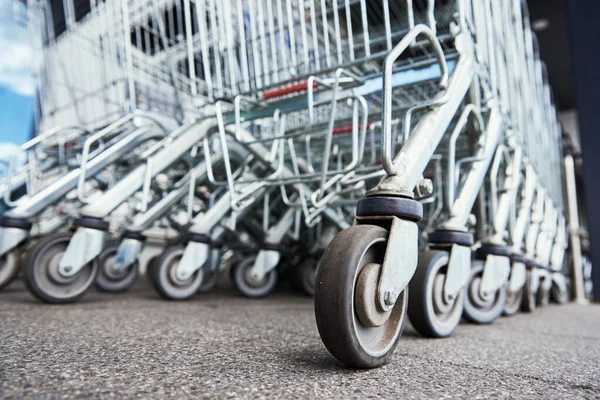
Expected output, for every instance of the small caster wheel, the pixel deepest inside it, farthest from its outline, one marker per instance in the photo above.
(561, 296)
(543, 296)
(209, 281)
(513, 302)
(529, 295)
(480, 309)
(428, 310)
(248, 285)
(9, 266)
(42, 277)
(350, 323)
(304, 276)
(163, 275)
(111, 280)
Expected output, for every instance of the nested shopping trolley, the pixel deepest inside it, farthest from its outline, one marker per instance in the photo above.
(412, 128)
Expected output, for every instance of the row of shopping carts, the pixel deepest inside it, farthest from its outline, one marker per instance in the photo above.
(410, 146)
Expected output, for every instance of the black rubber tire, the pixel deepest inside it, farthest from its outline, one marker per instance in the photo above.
(473, 312)
(240, 279)
(513, 302)
(529, 296)
(10, 263)
(338, 272)
(428, 316)
(36, 271)
(161, 273)
(106, 281)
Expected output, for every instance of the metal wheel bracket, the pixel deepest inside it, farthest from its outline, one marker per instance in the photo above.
(518, 277)
(194, 257)
(265, 262)
(127, 253)
(11, 238)
(459, 268)
(85, 245)
(495, 274)
(399, 263)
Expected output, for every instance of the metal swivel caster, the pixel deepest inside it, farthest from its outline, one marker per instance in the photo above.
(352, 326)
(9, 266)
(43, 278)
(482, 308)
(429, 310)
(249, 285)
(112, 278)
(163, 274)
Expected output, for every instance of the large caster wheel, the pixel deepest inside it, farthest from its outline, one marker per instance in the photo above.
(513, 302)
(529, 296)
(304, 276)
(351, 324)
(246, 284)
(163, 274)
(480, 309)
(111, 280)
(428, 310)
(9, 266)
(543, 296)
(41, 275)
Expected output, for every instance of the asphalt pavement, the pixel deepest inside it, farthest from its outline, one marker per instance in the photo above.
(219, 345)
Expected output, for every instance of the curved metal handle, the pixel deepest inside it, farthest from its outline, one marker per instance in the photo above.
(28, 145)
(85, 155)
(394, 54)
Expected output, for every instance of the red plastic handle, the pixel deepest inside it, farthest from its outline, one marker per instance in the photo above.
(284, 91)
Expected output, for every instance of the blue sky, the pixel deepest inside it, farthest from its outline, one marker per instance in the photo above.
(16, 83)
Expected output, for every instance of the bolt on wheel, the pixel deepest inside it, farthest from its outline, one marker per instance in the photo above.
(428, 310)
(110, 278)
(482, 308)
(42, 277)
(352, 326)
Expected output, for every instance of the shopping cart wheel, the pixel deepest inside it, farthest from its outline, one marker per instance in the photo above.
(513, 302)
(304, 276)
(543, 295)
(561, 296)
(109, 279)
(9, 266)
(529, 296)
(41, 275)
(163, 274)
(428, 310)
(246, 284)
(480, 309)
(351, 324)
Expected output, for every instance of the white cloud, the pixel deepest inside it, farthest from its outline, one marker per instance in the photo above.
(15, 63)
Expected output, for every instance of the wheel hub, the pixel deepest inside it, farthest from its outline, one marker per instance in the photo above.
(175, 279)
(54, 270)
(365, 298)
(440, 305)
(112, 272)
